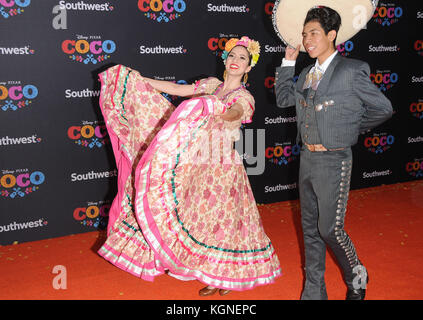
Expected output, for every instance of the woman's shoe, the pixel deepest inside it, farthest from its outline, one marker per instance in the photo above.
(207, 291)
(224, 292)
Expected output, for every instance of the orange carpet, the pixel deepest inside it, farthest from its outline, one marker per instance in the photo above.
(385, 223)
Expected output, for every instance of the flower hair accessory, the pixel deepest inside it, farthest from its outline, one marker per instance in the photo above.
(252, 46)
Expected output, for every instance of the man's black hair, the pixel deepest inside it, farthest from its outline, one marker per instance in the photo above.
(328, 18)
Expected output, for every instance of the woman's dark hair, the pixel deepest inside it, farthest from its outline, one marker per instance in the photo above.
(328, 18)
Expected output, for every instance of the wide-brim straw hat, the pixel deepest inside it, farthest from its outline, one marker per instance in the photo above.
(289, 15)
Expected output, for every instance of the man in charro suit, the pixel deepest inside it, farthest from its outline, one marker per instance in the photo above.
(335, 102)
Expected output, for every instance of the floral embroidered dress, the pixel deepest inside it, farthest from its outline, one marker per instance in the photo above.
(184, 202)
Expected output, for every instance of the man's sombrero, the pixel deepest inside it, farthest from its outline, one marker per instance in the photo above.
(289, 15)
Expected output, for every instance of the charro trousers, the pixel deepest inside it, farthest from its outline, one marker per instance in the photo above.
(324, 183)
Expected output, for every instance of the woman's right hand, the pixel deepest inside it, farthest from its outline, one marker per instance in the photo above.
(292, 53)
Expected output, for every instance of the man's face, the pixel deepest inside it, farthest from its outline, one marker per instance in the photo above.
(316, 42)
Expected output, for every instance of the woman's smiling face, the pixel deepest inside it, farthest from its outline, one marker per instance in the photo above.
(238, 61)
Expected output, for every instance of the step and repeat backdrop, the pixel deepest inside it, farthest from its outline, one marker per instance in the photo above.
(57, 170)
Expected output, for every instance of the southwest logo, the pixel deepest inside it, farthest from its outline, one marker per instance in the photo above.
(227, 8)
(10, 141)
(82, 6)
(163, 50)
(26, 50)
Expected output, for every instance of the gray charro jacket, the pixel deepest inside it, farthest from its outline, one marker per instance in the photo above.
(347, 103)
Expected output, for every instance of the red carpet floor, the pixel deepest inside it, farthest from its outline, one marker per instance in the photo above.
(385, 223)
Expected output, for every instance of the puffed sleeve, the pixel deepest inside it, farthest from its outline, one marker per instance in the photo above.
(246, 100)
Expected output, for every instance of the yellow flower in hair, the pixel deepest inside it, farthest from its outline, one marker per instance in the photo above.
(254, 47)
(254, 59)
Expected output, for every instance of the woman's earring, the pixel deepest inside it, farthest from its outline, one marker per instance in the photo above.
(245, 78)
(224, 75)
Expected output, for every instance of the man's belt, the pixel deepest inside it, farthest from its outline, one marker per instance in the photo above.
(320, 148)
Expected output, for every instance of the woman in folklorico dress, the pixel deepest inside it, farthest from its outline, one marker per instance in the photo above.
(184, 204)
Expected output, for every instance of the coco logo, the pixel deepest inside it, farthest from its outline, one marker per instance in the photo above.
(282, 154)
(418, 47)
(19, 183)
(268, 8)
(10, 8)
(415, 168)
(14, 95)
(217, 44)
(387, 14)
(94, 214)
(345, 48)
(90, 135)
(379, 143)
(88, 50)
(162, 10)
(416, 109)
(269, 82)
(384, 80)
